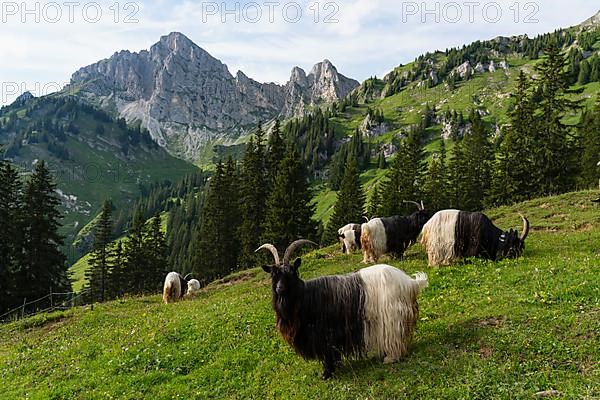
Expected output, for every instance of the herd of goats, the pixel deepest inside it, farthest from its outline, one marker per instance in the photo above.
(374, 310)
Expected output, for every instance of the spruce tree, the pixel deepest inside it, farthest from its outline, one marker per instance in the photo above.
(99, 263)
(590, 143)
(10, 234)
(405, 176)
(436, 182)
(157, 253)
(116, 278)
(43, 262)
(217, 246)
(289, 205)
(375, 201)
(275, 153)
(134, 272)
(253, 200)
(350, 204)
(553, 155)
(513, 177)
(477, 166)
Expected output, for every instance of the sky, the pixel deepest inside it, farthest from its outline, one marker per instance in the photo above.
(44, 42)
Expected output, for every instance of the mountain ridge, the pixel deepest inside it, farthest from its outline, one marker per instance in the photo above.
(186, 98)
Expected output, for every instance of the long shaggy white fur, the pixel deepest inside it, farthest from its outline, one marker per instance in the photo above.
(193, 288)
(438, 237)
(172, 288)
(391, 310)
(373, 240)
(349, 241)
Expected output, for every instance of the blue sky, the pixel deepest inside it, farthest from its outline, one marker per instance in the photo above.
(44, 42)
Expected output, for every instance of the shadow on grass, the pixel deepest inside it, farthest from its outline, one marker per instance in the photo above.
(439, 349)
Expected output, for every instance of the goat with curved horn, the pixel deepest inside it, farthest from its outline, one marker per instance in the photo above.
(272, 249)
(419, 206)
(332, 316)
(452, 234)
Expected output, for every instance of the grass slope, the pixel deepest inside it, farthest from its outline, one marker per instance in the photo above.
(487, 330)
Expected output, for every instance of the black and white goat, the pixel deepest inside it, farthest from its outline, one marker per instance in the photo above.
(454, 234)
(349, 236)
(175, 287)
(374, 310)
(391, 235)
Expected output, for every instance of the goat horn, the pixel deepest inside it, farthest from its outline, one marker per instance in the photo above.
(415, 203)
(525, 228)
(366, 218)
(273, 251)
(185, 278)
(422, 205)
(292, 247)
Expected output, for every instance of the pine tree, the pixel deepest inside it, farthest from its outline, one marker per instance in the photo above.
(405, 176)
(157, 252)
(584, 73)
(477, 167)
(553, 157)
(289, 206)
(217, 246)
(97, 275)
(350, 204)
(375, 201)
(590, 143)
(10, 234)
(275, 153)
(44, 263)
(436, 183)
(253, 200)
(134, 273)
(513, 177)
(116, 278)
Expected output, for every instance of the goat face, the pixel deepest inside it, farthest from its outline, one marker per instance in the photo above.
(286, 286)
(510, 245)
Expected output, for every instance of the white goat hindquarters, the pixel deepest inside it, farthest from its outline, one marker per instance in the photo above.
(193, 288)
(391, 310)
(438, 237)
(172, 288)
(375, 240)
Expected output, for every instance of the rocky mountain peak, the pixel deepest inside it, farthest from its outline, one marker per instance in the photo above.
(186, 98)
(592, 21)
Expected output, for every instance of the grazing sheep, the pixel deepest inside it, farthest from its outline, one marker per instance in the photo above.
(454, 234)
(374, 310)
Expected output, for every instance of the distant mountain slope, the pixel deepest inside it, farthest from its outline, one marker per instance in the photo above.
(186, 98)
(92, 156)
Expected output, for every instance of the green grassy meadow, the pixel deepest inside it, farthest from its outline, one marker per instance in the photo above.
(487, 330)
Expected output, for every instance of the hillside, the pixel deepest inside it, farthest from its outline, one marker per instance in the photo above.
(92, 156)
(487, 330)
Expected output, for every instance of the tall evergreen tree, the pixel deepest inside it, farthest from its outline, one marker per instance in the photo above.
(477, 166)
(375, 201)
(590, 143)
(116, 279)
(97, 275)
(436, 183)
(253, 200)
(553, 157)
(134, 272)
(217, 247)
(43, 262)
(513, 175)
(350, 204)
(289, 205)
(275, 152)
(157, 253)
(10, 233)
(405, 176)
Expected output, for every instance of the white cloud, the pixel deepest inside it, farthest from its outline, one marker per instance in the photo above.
(371, 37)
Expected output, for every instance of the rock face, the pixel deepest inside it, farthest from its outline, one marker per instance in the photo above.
(592, 22)
(187, 98)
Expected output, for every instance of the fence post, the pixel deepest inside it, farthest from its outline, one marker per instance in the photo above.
(51, 302)
(23, 307)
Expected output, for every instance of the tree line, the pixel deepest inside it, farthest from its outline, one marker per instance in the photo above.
(31, 262)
